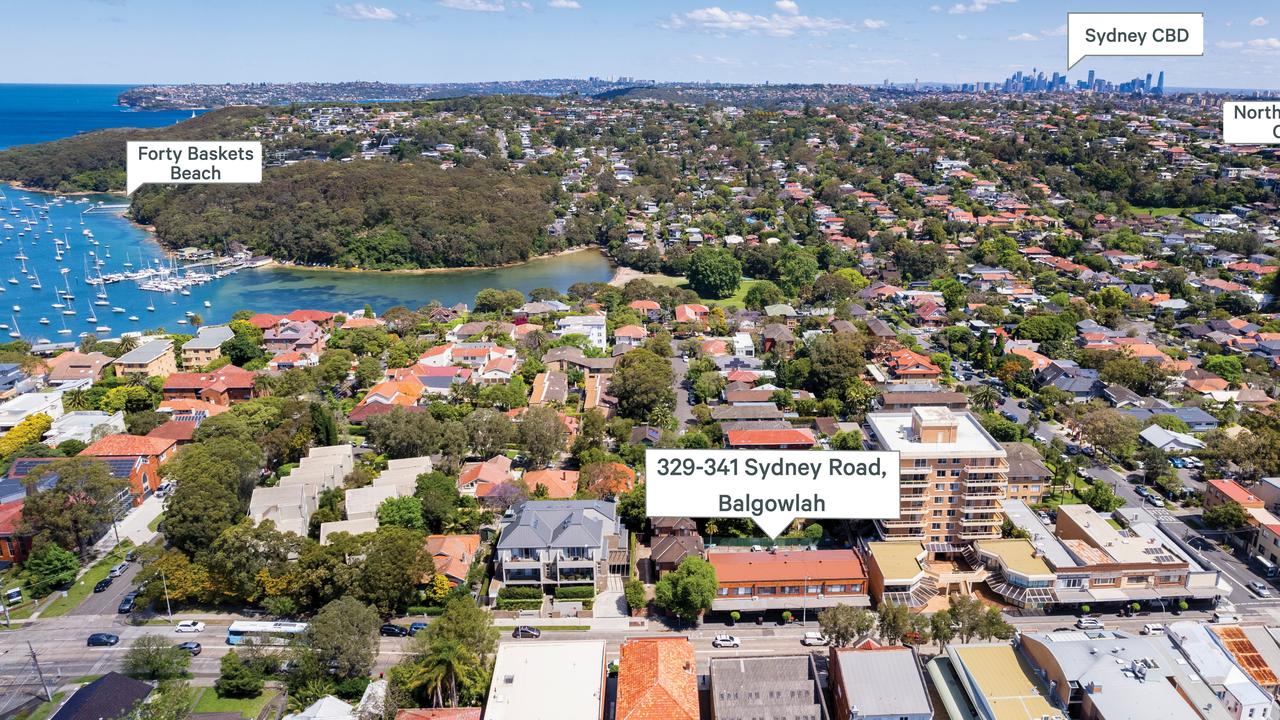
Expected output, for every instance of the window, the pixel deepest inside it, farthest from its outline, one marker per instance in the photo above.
(1137, 580)
(742, 591)
(835, 588)
(766, 590)
(1071, 582)
(722, 591)
(815, 590)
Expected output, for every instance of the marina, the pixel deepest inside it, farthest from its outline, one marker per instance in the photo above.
(77, 260)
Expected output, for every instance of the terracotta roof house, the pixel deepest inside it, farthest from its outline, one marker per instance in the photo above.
(478, 478)
(146, 453)
(453, 555)
(909, 364)
(181, 431)
(191, 407)
(794, 439)
(774, 580)
(560, 484)
(224, 386)
(14, 545)
(265, 321)
(668, 551)
(72, 366)
(1219, 492)
(657, 679)
(291, 336)
(319, 317)
(691, 313)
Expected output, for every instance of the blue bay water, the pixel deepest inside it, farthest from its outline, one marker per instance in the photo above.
(38, 113)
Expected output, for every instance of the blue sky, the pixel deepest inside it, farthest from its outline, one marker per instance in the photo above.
(136, 41)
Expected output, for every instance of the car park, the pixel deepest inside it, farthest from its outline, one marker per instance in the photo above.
(103, 640)
(189, 626)
(393, 630)
(102, 585)
(190, 646)
(127, 602)
(524, 631)
(725, 641)
(1089, 623)
(814, 638)
(1259, 588)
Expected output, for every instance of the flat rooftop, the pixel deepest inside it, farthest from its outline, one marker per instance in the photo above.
(547, 680)
(894, 433)
(1017, 554)
(1122, 547)
(897, 560)
(1010, 686)
(1044, 541)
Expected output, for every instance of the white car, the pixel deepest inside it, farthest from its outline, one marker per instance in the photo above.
(1089, 623)
(189, 626)
(725, 641)
(1259, 589)
(814, 638)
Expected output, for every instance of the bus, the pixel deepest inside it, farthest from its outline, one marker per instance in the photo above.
(1265, 567)
(264, 633)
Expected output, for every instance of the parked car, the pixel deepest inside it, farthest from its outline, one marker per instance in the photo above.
(189, 626)
(814, 638)
(393, 630)
(102, 585)
(416, 627)
(1089, 623)
(103, 640)
(131, 556)
(118, 570)
(1156, 500)
(725, 641)
(190, 646)
(127, 603)
(1153, 629)
(1225, 618)
(1259, 588)
(524, 631)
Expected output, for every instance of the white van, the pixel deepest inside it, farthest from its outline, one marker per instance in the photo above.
(1153, 629)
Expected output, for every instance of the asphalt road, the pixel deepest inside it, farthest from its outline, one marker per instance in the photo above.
(107, 601)
(683, 410)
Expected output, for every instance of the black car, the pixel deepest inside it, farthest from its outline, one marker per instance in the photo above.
(393, 630)
(102, 585)
(127, 603)
(524, 631)
(103, 640)
(190, 646)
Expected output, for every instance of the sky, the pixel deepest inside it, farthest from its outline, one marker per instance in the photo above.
(185, 41)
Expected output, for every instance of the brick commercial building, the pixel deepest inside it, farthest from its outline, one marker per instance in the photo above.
(788, 580)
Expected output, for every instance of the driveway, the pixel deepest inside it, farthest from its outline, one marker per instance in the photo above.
(683, 410)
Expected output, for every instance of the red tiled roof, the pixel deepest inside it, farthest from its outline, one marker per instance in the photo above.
(560, 484)
(316, 316)
(657, 680)
(123, 445)
(1235, 491)
(262, 321)
(747, 438)
(174, 430)
(736, 567)
(10, 515)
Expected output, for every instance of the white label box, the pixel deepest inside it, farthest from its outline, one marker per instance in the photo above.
(1134, 34)
(192, 162)
(772, 487)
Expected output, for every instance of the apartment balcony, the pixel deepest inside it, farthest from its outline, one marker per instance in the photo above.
(575, 562)
(977, 520)
(984, 493)
(523, 563)
(978, 481)
(901, 523)
(992, 533)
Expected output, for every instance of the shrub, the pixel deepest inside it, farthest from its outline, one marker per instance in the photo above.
(519, 604)
(237, 680)
(576, 592)
(633, 590)
(351, 688)
(434, 611)
(517, 592)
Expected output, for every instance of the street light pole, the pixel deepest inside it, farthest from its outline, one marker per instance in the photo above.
(168, 608)
(804, 603)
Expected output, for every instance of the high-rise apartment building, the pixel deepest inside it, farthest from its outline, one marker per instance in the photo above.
(954, 476)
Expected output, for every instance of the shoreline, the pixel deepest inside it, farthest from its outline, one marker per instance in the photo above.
(70, 193)
(282, 265)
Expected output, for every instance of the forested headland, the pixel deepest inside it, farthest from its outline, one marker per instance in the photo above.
(371, 214)
(95, 161)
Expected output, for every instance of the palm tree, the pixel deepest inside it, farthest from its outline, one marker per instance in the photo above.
(77, 399)
(127, 344)
(195, 320)
(136, 379)
(445, 662)
(985, 397)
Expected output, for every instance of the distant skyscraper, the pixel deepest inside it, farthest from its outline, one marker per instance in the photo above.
(1090, 79)
(1147, 87)
(1160, 83)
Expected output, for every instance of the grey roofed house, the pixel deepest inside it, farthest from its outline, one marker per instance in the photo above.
(1067, 376)
(1025, 462)
(780, 310)
(1120, 396)
(563, 357)
(880, 328)
(747, 688)
(1168, 440)
(558, 524)
(879, 682)
(1196, 419)
(209, 337)
(111, 696)
(670, 550)
(778, 333)
(746, 412)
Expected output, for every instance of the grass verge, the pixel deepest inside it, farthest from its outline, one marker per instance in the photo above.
(43, 710)
(84, 586)
(247, 707)
(155, 522)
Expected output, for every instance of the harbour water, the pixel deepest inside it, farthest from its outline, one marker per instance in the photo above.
(113, 241)
(38, 113)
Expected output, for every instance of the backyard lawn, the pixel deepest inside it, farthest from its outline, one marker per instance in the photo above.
(209, 702)
(84, 586)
